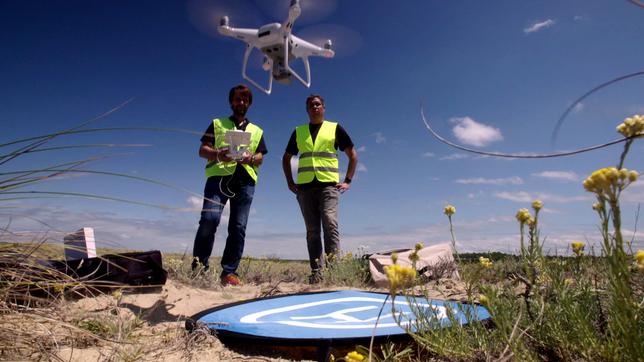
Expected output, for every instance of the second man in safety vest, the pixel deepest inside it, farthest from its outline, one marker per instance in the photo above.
(318, 185)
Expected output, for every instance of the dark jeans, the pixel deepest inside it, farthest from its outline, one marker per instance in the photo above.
(320, 211)
(241, 196)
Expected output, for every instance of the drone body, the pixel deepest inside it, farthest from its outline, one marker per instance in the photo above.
(279, 46)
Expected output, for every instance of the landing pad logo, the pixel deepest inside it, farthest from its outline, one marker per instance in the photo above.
(346, 313)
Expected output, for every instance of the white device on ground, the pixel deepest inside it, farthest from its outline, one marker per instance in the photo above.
(279, 46)
(238, 142)
(80, 244)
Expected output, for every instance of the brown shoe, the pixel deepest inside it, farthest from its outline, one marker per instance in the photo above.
(230, 279)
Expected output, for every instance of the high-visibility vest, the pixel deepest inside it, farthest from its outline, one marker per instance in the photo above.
(318, 159)
(220, 126)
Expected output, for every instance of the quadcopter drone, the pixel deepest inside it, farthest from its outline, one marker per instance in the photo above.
(279, 46)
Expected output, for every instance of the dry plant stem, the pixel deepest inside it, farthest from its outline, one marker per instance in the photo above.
(451, 231)
(373, 333)
(622, 157)
(503, 357)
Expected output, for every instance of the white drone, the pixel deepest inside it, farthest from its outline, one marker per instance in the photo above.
(279, 46)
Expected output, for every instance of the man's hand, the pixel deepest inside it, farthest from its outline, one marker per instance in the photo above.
(246, 158)
(343, 187)
(222, 155)
(292, 186)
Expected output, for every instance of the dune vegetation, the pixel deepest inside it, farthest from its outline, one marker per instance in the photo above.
(588, 305)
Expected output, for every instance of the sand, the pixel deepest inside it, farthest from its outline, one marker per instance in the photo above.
(155, 323)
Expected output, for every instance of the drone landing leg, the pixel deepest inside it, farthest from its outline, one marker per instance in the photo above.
(267, 90)
(307, 67)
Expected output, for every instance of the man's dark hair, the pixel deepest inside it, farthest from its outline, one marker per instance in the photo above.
(312, 97)
(243, 90)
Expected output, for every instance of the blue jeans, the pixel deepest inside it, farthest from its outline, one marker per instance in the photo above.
(216, 193)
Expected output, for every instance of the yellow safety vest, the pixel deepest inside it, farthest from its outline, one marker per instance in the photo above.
(220, 126)
(318, 160)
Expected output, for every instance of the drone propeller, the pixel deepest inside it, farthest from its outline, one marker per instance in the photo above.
(208, 15)
(341, 39)
(313, 11)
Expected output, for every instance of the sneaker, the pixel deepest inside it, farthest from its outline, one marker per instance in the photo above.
(315, 279)
(230, 279)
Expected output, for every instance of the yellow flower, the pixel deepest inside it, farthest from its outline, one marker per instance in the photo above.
(632, 176)
(632, 126)
(449, 210)
(354, 356)
(483, 299)
(639, 257)
(578, 247)
(414, 256)
(399, 276)
(59, 288)
(537, 205)
(598, 206)
(117, 294)
(523, 215)
(532, 222)
(485, 262)
(609, 180)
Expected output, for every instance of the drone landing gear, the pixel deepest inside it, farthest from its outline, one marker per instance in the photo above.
(268, 63)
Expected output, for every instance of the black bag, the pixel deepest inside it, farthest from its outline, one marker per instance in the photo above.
(134, 269)
(43, 279)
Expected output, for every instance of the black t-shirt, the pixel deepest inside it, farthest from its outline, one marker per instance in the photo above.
(342, 142)
(240, 176)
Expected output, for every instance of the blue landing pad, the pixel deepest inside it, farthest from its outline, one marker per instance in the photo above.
(337, 315)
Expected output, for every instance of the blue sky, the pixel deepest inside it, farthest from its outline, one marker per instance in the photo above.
(492, 75)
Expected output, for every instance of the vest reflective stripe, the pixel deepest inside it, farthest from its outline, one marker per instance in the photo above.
(318, 154)
(317, 160)
(321, 169)
(220, 126)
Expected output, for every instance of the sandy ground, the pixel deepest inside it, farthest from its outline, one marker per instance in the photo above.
(160, 328)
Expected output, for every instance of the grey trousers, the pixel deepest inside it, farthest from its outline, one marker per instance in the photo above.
(320, 207)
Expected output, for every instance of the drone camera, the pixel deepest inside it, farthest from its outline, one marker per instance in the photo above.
(266, 64)
(223, 21)
(328, 44)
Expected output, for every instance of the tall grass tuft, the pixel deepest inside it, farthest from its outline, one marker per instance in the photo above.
(34, 295)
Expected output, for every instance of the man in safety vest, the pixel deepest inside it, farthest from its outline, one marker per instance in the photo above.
(318, 185)
(228, 179)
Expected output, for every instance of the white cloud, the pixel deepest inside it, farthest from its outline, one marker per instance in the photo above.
(514, 180)
(380, 138)
(455, 156)
(578, 107)
(539, 25)
(634, 193)
(175, 232)
(361, 149)
(195, 203)
(428, 155)
(558, 175)
(361, 167)
(470, 132)
(474, 195)
(524, 196)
